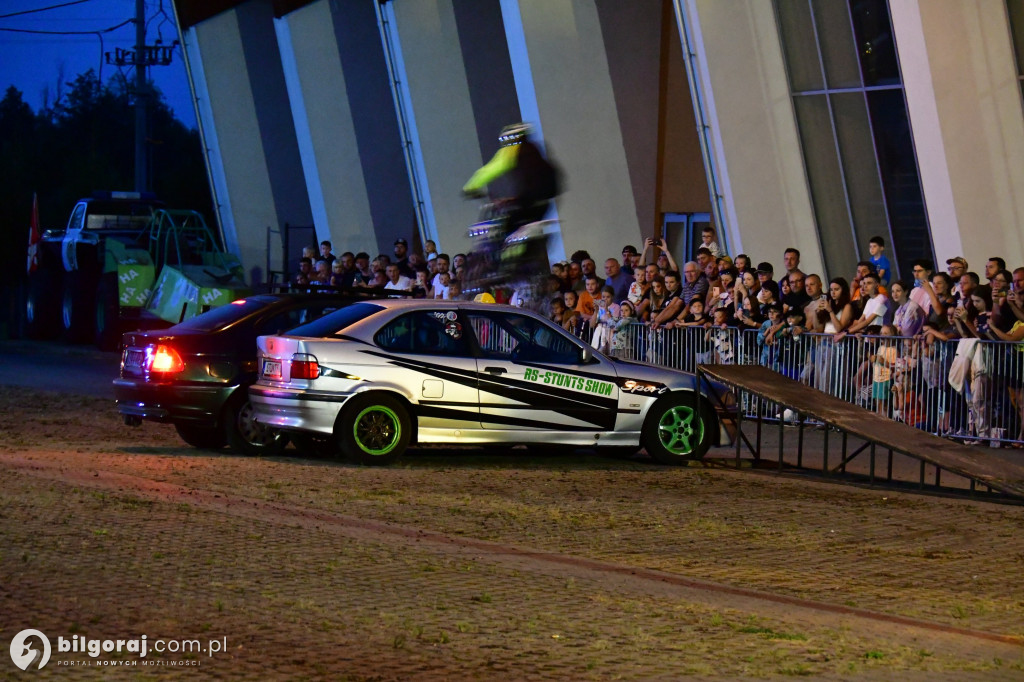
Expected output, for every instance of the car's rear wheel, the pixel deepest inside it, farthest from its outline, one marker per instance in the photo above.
(244, 434)
(78, 313)
(374, 428)
(41, 314)
(202, 437)
(677, 430)
(108, 307)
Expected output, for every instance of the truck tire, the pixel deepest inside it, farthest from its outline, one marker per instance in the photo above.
(41, 304)
(78, 312)
(108, 314)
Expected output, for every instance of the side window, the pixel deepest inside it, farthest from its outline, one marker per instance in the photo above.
(518, 338)
(425, 332)
(495, 341)
(293, 317)
(77, 219)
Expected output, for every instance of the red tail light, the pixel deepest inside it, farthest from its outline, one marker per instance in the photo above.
(305, 366)
(164, 359)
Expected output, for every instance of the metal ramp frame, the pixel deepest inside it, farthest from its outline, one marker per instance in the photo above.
(990, 478)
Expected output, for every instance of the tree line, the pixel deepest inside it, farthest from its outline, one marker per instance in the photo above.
(86, 142)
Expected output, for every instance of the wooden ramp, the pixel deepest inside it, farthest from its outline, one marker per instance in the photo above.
(977, 465)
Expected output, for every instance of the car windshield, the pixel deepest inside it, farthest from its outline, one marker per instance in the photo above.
(119, 215)
(336, 322)
(221, 316)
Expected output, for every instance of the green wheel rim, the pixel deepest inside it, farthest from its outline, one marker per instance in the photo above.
(680, 430)
(377, 430)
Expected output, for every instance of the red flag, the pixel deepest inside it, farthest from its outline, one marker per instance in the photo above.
(34, 236)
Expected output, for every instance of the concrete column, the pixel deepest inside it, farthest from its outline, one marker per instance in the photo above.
(323, 126)
(247, 123)
(565, 87)
(440, 115)
(967, 124)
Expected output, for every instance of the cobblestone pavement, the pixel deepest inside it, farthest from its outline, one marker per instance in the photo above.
(486, 564)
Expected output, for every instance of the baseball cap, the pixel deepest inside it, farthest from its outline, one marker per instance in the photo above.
(765, 267)
(630, 249)
(959, 260)
(401, 241)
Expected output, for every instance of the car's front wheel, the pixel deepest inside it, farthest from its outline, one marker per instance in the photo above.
(677, 430)
(374, 428)
(244, 434)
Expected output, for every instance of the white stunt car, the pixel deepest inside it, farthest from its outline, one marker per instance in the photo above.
(375, 377)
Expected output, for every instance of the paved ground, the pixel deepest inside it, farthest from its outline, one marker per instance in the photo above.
(491, 565)
(482, 564)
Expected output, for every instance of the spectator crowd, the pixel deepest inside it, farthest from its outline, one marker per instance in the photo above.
(903, 328)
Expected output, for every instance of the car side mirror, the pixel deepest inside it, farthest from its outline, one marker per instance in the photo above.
(586, 355)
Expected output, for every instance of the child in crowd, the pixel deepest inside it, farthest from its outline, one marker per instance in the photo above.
(336, 273)
(907, 406)
(791, 344)
(694, 316)
(557, 310)
(441, 291)
(429, 250)
(558, 270)
(571, 319)
(768, 336)
(622, 340)
(882, 360)
(720, 337)
(639, 286)
(707, 237)
(876, 247)
(606, 316)
(422, 287)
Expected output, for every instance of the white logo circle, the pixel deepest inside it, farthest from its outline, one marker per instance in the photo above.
(24, 655)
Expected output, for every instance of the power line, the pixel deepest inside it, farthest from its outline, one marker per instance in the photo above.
(43, 9)
(69, 33)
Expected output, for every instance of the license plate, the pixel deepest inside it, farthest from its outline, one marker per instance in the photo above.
(272, 369)
(134, 358)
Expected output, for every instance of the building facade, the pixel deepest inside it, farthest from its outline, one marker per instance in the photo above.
(815, 124)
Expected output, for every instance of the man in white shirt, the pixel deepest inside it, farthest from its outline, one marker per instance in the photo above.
(875, 308)
(443, 261)
(396, 280)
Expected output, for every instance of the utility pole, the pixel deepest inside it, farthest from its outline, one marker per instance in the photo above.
(142, 56)
(141, 99)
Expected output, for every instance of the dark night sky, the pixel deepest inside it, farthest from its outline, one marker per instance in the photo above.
(35, 63)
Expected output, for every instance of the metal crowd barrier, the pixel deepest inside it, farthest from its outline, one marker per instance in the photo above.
(967, 389)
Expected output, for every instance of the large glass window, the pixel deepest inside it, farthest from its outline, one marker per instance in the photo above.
(1015, 11)
(848, 97)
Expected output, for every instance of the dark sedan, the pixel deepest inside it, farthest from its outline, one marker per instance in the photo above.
(196, 375)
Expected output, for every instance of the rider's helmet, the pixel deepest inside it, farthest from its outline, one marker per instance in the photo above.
(514, 134)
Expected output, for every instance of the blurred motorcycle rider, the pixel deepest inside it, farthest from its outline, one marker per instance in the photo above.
(520, 176)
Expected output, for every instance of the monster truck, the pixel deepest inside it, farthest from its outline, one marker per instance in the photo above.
(125, 261)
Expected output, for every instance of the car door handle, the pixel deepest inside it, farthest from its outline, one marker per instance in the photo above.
(495, 370)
